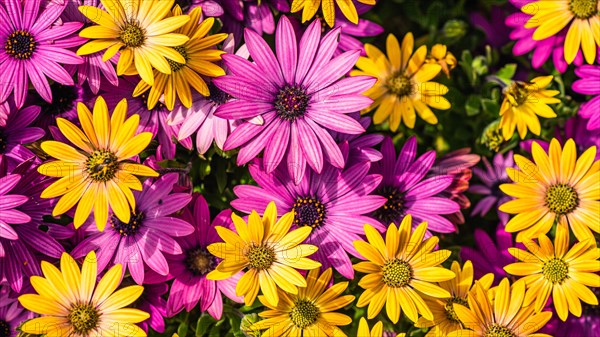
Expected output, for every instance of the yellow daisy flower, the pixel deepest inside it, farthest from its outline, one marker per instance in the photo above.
(96, 173)
(403, 84)
(309, 312)
(72, 303)
(270, 253)
(503, 316)
(523, 102)
(558, 187)
(140, 30)
(399, 266)
(310, 7)
(556, 269)
(439, 54)
(199, 54)
(445, 319)
(582, 17)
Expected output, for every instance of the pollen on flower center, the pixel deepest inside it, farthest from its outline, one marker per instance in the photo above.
(130, 228)
(291, 103)
(102, 165)
(304, 313)
(583, 9)
(555, 270)
(175, 66)
(449, 307)
(517, 93)
(260, 257)
(308, 212)
(217, 96)
(561, 198)
(396, 273)
(20, 45)
(393, 209)
(83, 318)
(132, 35)
(4, 329)
(400, 85)
(498, 330)
(199, 261)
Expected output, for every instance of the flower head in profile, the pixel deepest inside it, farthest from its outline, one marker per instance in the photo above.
(200, 56)
(73, 303)
(404, 83)
(491, 178)
(268, 250)
(140, 30)
(96, 173)
(400, 270)
(502, 315)
(556, 187)
(557, 271)
(290, 102)
(347, 7)
(309, 312)
(33, 48)
(588, 84)
(440, 54)
(523, 103)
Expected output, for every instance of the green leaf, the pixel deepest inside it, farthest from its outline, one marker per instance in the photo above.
(203, 324)
(182, 329)
(507, 72)
(473, 105)
(490, 106)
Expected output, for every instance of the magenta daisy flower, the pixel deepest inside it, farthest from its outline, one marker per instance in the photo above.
(491, 177)
(12, 314)
(252, 14)
(33, 48)
(93, 69)
(190, 285)
(407, 191)
(148, 235)
(334, 203)
(293, 99)
(15, 132)
(589, 84)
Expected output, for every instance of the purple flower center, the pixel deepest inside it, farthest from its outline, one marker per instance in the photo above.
(3, 141)
(309, 212)
(130, 228)
(393, 209)
(63, 99)
(4, 328)
(199, 261)
(291, 103)
(217, 96)
(20, 45)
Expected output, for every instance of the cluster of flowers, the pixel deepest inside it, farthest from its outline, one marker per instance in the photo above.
(102, 233)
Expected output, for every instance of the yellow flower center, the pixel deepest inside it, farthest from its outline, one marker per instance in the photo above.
(129, 228)
(555, 270)
(83, 318)
(583, 9)
(102, 165)
(133, 35)
(308, 212)
(304, 314)
(449, 307)
(561, 198)
(260, 257)
(498, 330)
(291, 102)
(20, 45)
(517, 93)
(175, 66)
(400, 85)
(396, 273)
(199, 261)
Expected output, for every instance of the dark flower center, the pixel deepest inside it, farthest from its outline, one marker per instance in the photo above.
(130, 228)
(102, 165)
(498, 330)
(496, 191)
(400, 84)
(158, 107)
(396, 273)
(555, 270)
(583, 9)
(4, 329)
(217, 95)
(132, 35)
(199, 261)
(393, 209)
(64, 98)
(308, 212)
(561, 198)
(3, 142)
(304, 313)
(449, 307)
(83, 318)
(260, 257)
(176, 66)
(291, 103)
(20, 45)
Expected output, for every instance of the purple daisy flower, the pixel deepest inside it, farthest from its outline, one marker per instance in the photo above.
(589, 84)
(496, 32)
(200, 118)
(294, 99)
(146, 237)
(15, 132)
(334, 203)
(63, 105)
(209, 7)
(32, 46)
(12, 314)
(252, 14)
(585, 326)
(189, 269)
(407, 191)
(492, 177)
